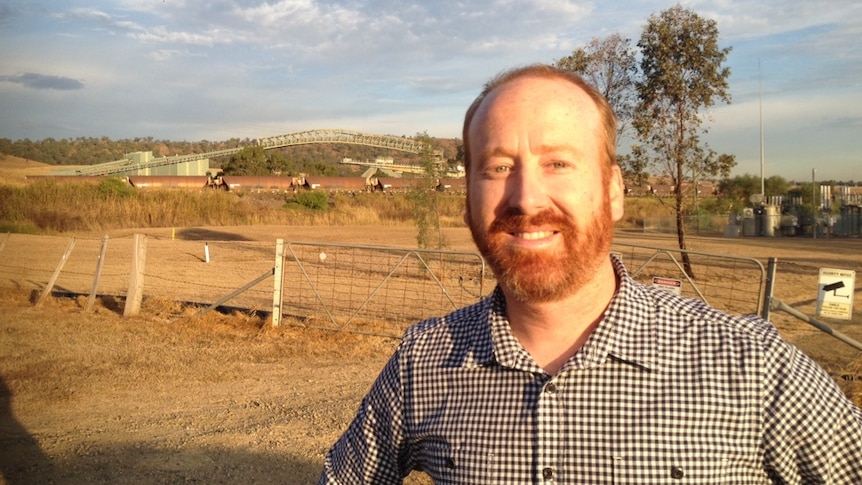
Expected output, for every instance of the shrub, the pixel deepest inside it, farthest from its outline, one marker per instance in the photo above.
(114, 188)
(312, 199)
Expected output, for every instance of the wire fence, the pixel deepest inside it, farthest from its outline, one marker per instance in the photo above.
(175, 269)
(702, 225)
(378, 290)
(370, 289)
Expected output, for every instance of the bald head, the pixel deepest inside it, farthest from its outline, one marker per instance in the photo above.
(608, 123)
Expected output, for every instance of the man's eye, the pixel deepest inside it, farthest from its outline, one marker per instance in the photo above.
(501, 169)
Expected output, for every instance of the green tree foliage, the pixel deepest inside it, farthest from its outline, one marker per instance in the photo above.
(609, 64)
(426, 198)
(254, 160)
(738, 190)
(250, 161)
(682, 76)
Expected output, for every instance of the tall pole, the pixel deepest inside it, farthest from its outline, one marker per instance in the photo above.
(762, 157)
(813, 204)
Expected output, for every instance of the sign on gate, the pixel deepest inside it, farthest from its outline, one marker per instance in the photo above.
(835, 293)
(668, 284)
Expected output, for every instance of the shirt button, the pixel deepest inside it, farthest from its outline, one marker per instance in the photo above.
(551, 388)
(548, 473)
(677, 473)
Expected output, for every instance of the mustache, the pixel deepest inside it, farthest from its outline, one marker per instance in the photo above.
(514, 221)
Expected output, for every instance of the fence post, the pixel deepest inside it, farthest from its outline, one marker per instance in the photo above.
(3, 244)
(277, 284)
(136, 277)
(50, 286)
(771, 268)
(98, 274)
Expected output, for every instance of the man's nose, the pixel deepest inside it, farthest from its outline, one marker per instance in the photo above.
(527, 190)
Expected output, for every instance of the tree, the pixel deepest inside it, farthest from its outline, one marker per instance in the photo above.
(682, 76)
(248, 161)
(254, 160)
(426, 198)
(738, 190)
(609, 65)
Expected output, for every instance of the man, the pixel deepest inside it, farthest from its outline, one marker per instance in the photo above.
(571, 372)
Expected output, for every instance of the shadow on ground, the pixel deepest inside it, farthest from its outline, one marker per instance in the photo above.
(142, 463)
(200, 234)
(20, 454)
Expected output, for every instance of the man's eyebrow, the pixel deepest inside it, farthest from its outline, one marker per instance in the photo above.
(562, 147)
(541, 149)
(496, 152)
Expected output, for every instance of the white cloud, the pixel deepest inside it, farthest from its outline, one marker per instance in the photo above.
(225, 68)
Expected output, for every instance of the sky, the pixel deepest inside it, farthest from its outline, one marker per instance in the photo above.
(220, 69)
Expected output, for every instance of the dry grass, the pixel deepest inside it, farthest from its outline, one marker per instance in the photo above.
(35, 208)
(223, 397)
(44, 206)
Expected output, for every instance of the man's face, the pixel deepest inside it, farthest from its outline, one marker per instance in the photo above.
(541, 199)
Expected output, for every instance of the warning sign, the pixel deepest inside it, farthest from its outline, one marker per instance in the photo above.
(671, 285)
(835, 293)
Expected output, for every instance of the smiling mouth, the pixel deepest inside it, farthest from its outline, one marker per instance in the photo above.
(534, 236)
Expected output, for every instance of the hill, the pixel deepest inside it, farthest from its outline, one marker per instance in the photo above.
(91, 151)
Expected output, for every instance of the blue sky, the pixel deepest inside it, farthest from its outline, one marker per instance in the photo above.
(220, 69)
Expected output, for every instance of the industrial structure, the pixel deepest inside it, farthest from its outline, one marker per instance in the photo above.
(787, 216)
(144, 163)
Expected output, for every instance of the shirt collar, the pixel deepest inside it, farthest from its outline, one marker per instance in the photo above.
(627, 331)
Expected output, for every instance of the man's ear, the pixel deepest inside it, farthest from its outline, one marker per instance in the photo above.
(616, 192)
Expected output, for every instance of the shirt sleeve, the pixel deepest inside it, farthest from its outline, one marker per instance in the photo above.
(370, 451)
(812, 431)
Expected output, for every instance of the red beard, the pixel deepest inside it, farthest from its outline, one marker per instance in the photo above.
(536, 276)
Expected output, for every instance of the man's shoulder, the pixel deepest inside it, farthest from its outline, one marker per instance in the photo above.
(681, 310)
(461, 321)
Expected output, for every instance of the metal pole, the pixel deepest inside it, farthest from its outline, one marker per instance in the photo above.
(771, 269)
(762, 156)
(813, 205)
(777, 304)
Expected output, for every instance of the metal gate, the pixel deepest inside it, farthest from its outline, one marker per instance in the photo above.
(734, 284)
(382, 290)
(376, 290)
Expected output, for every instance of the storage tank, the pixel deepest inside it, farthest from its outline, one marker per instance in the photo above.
(748, 223)
(850, 222)
(257, 183)
(771, 220)
(789, 223)
(734, 225)
(169, 181)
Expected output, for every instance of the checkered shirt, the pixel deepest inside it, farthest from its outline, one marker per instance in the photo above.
(667, 390)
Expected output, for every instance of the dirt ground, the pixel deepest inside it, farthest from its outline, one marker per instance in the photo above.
(167, 397)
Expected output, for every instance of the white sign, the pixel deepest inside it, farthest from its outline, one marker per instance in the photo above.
(668, 284)
(835, 293)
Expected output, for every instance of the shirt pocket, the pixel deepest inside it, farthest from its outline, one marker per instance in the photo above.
(454, 464)
(672, 470)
